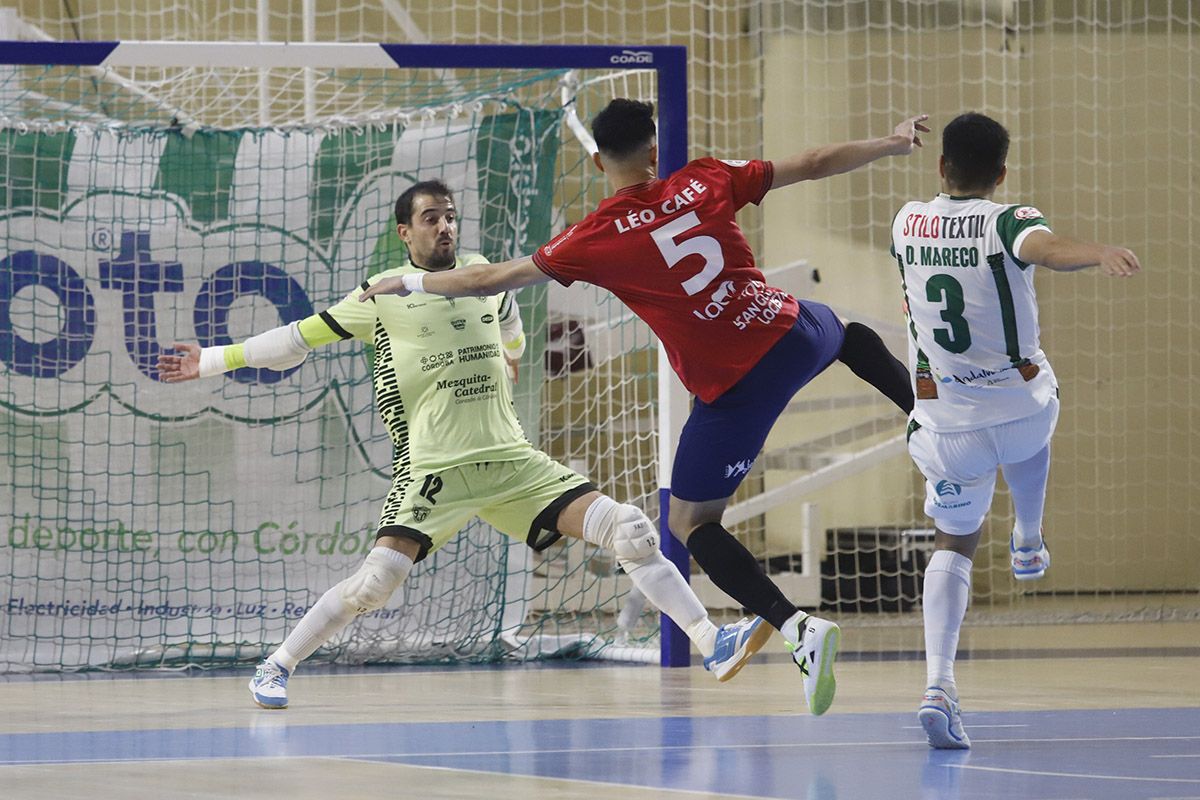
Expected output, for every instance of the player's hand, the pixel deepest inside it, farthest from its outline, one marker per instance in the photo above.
(183, 365)
(385, 286)
(908, 134)
(514, 368)
(1119, 262)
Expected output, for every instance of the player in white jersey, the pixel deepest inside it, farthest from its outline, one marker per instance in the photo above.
(442, 391)
(986, 397)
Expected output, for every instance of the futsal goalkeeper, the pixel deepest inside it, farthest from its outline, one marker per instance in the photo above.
(442, 391)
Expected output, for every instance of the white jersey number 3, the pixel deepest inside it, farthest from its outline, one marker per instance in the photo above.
(674, 252)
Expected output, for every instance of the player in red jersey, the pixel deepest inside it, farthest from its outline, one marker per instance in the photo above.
(672, 251)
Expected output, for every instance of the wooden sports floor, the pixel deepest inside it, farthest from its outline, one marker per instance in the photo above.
(1054, 713)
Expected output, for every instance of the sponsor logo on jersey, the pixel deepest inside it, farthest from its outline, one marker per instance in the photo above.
(738, 468)
(420, 513)
(415, 305)
(1027, 212)
(717, 302)
(945, 488)
(632, 57)
(458, 324)
(486, 319)
(734, 162)
(437, 360)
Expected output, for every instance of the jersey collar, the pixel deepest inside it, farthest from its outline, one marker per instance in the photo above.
(959, 198)
(637, 187)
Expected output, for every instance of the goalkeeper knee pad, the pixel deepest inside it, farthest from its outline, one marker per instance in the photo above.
(380, 574)
(621, 528)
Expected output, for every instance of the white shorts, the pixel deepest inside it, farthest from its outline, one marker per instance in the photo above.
(960, 468)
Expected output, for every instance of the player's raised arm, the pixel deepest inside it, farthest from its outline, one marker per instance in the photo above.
(477, 280)
(834, 159)
(1067, 255)
(279, 348)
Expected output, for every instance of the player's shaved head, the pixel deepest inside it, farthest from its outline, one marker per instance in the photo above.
(404, 203)
(624, 128)
(974, 149)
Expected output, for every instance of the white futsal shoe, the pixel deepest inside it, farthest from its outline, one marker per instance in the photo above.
(819, 639)
(268, 687)
(942, 720)
(735, 644)
(1028, 563)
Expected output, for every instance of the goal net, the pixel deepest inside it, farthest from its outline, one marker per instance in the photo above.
(162, 525)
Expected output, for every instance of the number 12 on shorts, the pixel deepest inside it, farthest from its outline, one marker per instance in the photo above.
(432, 485)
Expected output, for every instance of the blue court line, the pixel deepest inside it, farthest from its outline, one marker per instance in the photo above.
(1100, 754)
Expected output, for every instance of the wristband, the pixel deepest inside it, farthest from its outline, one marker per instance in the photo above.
(212, 361)
(414, 281)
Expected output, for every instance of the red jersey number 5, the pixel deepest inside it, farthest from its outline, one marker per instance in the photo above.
(704, 246)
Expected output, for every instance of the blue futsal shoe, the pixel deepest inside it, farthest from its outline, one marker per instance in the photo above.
(735, 644)
(268, 687)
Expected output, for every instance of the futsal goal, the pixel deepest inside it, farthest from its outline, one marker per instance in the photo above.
(167, 191)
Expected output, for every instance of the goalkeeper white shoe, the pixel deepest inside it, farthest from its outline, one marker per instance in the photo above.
(735, 644)
(1028, 563)
(268, 687)
(819, 639)
(942, 720)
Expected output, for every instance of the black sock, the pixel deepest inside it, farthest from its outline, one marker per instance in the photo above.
(736, 572)
(868, 357)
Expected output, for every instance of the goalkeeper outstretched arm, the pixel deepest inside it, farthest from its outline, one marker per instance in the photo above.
(476, 280)
(279, 348)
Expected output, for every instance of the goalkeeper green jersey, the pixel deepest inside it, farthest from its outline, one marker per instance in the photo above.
(440, 380)
(975, 348)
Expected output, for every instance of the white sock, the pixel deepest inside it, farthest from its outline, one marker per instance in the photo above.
(947, 592)
(659, 580)
(793, 629)
(328, 617)
(1027, 485)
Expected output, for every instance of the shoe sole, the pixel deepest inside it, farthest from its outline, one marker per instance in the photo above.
(937, 730)
(261, 704)
(752, 645)
(822, 696)
(1029, 576)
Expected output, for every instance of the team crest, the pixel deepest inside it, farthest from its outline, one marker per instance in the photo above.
(944, 488)
(458, 324)
(1027, 212)
(420, 513)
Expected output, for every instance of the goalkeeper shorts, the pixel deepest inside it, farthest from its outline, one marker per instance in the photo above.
(521, 498)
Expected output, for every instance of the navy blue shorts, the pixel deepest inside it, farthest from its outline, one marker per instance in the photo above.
(721, 439)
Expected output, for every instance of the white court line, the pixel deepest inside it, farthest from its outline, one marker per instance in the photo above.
(636, 749)
(973, 727)
(1073, 774)
(657, 789)
(1183, 755)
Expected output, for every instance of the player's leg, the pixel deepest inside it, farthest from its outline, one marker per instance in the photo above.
(960, 473)
(717, 447)
(868, 357)
(400, 543)
(1026, 477)
(549, 500)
